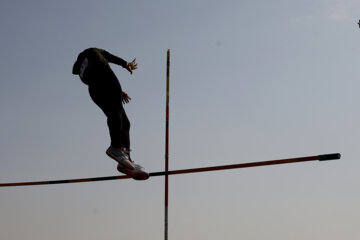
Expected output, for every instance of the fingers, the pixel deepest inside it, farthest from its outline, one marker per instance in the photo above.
(125, 98)
(135, 64)
(131, 66)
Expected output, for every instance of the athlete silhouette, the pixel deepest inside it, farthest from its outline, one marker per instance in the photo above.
(92, 66)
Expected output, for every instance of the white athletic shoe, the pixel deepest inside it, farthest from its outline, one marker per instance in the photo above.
(121, 157)
(138, 173)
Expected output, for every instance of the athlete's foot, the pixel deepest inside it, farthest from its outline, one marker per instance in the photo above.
(124, 170)
(120, 155)
(138, 173)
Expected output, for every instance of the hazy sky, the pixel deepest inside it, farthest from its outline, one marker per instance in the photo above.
(250, 81)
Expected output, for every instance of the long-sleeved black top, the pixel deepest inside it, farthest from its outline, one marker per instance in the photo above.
(97, 63)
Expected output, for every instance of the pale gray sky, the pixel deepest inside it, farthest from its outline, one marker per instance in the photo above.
(250, 81)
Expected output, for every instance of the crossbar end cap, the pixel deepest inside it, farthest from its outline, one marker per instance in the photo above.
(327, 157)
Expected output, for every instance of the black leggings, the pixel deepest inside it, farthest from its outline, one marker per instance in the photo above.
(109, 98)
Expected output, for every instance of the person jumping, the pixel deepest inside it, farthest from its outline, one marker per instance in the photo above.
(92, 66)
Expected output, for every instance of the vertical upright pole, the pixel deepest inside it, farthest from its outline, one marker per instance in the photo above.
(167, 143)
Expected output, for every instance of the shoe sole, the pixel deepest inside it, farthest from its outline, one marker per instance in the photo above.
(141, 175)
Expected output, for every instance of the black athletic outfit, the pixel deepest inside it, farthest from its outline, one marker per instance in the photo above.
(92, 65)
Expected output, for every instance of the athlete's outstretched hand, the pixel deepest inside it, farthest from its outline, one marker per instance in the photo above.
(125, 98)
(131, 66)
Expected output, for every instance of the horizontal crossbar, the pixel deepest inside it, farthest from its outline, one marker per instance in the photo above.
(325, 157)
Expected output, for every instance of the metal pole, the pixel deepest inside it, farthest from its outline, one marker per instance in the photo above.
(167, 144)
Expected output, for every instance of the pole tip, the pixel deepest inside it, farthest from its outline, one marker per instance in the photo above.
(326, 157)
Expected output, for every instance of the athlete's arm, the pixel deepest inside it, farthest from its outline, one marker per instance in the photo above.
(113, 59)
(119, 61)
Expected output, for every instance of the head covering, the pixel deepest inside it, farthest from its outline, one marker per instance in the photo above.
(76, 67)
